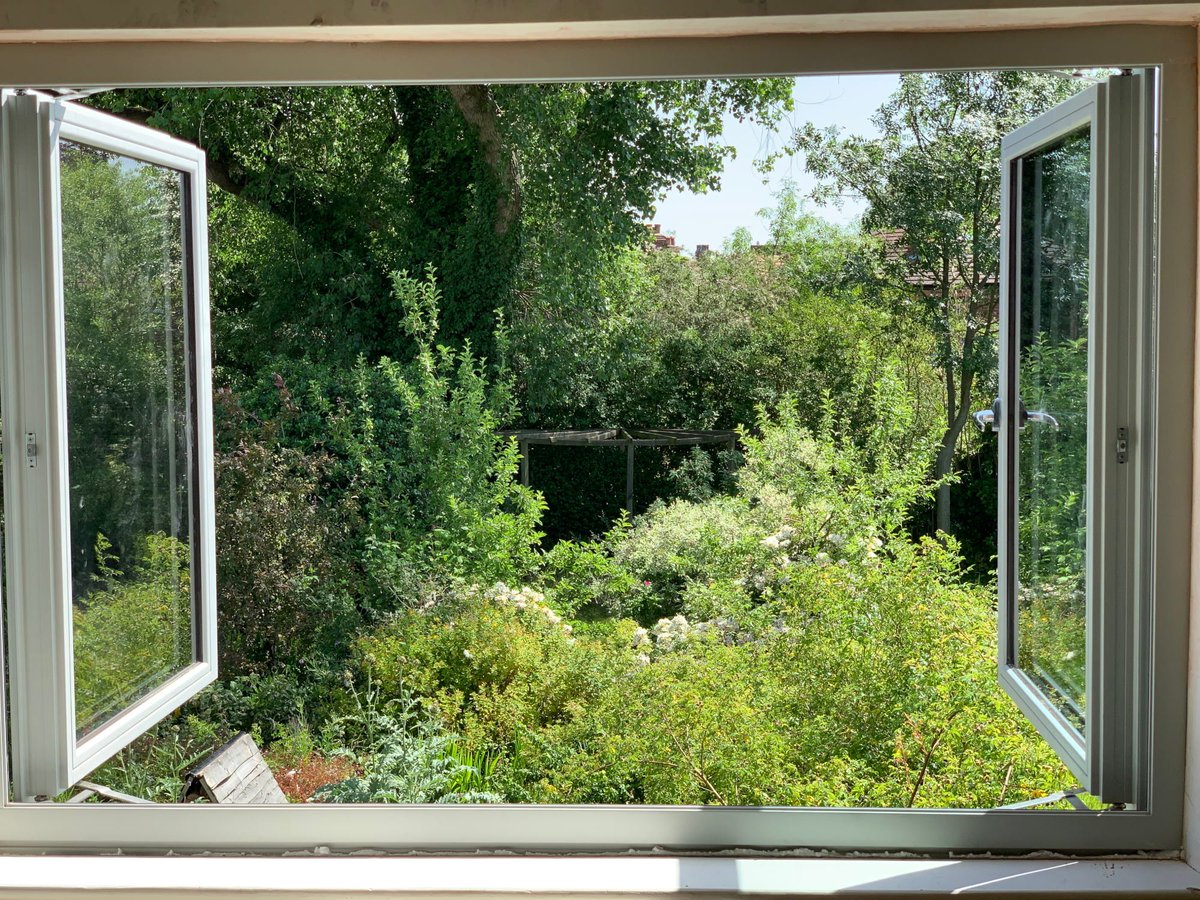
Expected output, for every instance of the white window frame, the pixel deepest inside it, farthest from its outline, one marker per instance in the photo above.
(1118, 114)
(47, 755)
(595, 829)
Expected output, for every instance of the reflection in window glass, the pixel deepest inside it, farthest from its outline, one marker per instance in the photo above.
(1052, 602)
(127, 413)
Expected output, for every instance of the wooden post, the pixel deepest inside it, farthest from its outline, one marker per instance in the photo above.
(629, 478)
(523, 446)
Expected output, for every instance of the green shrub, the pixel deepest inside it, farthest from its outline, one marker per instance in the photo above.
(863, 684)
(844, 486)
(406, 756)
(583, 577)
(830, 661)
(796, 646)
(281, 602)
(265, 703)
(908, 655)
(686, 728)
(493, 659)
(412, 462)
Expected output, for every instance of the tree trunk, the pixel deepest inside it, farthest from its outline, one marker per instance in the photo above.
(479, 110)
(960, 411)
(945, 458)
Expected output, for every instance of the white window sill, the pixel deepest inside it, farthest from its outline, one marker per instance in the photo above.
(585, 876)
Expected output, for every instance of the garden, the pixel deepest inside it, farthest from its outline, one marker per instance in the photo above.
(400, 275)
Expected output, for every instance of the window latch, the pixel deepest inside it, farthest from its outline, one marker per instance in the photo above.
(1122, 444)
(31, 450)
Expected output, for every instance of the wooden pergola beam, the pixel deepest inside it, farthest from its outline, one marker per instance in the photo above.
(630, 439)
(620, 437)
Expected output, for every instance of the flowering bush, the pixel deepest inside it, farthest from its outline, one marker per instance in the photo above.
(526, 599)
(494, 660)
(676, 544)
(869, 684)
(793, 645)
(787, 643)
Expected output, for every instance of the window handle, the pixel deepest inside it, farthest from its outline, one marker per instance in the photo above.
(987, 418)
(1042, 418)
(984, 418)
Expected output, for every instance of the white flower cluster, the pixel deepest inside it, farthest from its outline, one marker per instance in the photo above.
(836, 548)
(527, 598)
(780, 540)
(675, 632)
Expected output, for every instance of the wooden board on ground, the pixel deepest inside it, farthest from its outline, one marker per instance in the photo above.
(88, 789)
(236, 773)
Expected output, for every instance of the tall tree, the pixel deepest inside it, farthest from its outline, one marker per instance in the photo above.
(513, 193)
(931, 180)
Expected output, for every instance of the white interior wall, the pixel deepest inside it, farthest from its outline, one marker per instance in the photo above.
(380, 20)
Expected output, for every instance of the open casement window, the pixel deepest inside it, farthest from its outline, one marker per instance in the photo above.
(108, 484)
(1076, 244)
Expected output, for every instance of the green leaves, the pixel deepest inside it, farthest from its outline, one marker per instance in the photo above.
(324, 192)
(778, 637)
(135, 629)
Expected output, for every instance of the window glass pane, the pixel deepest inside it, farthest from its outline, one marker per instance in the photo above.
(1052, 447)
(127, 412)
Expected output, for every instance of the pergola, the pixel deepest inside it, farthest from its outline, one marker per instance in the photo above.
(630, 439)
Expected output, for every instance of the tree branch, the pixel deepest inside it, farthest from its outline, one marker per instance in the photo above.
(928, 757)
(218, 171)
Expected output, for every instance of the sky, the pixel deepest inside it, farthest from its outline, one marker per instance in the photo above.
(847, 101)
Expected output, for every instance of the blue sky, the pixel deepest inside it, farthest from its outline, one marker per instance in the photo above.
(847, 101)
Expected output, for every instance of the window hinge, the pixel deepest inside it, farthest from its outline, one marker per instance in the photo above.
(1122, 444)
